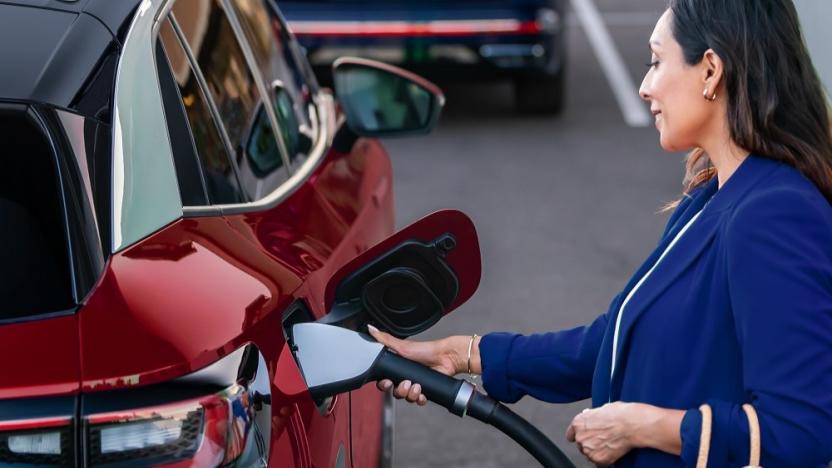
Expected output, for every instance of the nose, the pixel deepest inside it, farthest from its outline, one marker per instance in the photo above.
(644, 89)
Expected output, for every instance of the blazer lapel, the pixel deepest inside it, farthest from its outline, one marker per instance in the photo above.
(688, 208)
(684, 253)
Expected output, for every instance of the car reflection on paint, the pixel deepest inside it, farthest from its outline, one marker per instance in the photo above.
(177, 192)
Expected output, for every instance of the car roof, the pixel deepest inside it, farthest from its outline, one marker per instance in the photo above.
(113, 14)
(51, 49)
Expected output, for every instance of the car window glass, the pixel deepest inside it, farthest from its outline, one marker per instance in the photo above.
(261, 147)
(283, 72)
(188, 171)
(218, 171)
(231, 84)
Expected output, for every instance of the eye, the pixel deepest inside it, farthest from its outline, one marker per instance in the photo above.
(652, 64)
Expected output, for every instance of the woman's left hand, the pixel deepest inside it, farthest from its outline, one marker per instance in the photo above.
(605, 434)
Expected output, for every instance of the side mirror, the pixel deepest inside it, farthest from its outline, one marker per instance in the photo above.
(406, 283)
(382, 100)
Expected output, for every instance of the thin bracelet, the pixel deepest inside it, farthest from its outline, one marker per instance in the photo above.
(471, 345)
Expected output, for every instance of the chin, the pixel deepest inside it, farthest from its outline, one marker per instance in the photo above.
(670, 145)
(666, 143)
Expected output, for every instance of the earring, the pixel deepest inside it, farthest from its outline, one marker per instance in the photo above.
(705, 95)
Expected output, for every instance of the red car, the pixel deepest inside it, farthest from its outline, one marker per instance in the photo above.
(177, 191)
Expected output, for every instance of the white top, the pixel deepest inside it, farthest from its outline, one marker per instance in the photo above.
(638, 285)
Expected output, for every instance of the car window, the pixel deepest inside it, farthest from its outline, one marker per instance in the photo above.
(232, 87)
(220, 180)
(283, 73)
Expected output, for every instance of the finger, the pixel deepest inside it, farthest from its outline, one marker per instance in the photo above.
(384, 338)
(423, 400)
(384, 385)
(570, 433)
(414, 393)
(402, 389)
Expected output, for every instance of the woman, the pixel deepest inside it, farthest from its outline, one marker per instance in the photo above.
(735, 304)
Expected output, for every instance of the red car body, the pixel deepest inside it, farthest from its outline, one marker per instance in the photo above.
(196, 291)
(201, 288)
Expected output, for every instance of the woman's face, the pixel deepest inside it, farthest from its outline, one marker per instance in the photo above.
(674, 90)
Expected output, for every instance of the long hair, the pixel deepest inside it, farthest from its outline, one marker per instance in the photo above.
(776, 104)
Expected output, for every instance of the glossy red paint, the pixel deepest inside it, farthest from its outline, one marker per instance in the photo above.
(464, 259)
(38, 423)
(201, 288)
(41, 358)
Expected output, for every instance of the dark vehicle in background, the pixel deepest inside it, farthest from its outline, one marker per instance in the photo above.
(445, 40)
(177, 191)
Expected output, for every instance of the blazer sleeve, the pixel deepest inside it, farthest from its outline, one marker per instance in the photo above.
(779, 266)
(556, 367)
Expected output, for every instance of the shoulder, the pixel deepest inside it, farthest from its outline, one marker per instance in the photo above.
(784, 203)
(784, 187)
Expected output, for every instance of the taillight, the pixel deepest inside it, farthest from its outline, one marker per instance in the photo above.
(213, 431)
(48, 441)
(217, 416)
(162, 434)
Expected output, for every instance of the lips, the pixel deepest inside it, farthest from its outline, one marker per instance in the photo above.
(656, 115)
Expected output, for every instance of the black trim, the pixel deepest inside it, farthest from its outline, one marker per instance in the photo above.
(89, 254)
(192, 188)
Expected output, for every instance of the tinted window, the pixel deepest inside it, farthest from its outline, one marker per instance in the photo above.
(230, 83)
(34, 260)
(282, 71)
(220, 180)
(188, 170)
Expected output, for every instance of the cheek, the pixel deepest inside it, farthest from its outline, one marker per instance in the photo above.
(684, 117)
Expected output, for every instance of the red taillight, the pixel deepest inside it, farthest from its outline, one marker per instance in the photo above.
(217, 416)
(438, 28)
(43, 441)
(165, 434)
(210, 431)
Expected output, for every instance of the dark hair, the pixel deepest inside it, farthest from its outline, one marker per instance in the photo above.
(776, 104)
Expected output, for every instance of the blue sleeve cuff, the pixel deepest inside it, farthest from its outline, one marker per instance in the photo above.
(691, 431)
(729, 435)
(494, 352)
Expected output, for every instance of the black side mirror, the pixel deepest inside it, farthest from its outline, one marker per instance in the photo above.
(382, 100)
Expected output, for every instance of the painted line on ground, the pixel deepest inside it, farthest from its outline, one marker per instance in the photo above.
(621, 83)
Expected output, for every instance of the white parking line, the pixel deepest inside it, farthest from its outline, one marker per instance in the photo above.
(625, 90)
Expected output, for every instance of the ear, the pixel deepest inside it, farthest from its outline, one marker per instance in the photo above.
(712, 71)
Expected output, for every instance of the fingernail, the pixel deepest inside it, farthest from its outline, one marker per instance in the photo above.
(372, 328)
(387, 385)
(406, 384)
(418, 388)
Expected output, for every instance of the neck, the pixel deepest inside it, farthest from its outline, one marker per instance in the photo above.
(725, 155)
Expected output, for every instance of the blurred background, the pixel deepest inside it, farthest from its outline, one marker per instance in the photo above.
(545, 144)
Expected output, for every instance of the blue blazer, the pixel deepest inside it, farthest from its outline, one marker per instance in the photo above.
(739, 311)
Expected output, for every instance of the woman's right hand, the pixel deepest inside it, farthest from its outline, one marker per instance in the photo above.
(448, 356)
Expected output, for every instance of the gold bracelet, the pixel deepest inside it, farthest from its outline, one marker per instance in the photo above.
(471, 345)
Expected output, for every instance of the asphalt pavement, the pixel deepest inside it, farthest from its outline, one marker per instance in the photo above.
(566, 209)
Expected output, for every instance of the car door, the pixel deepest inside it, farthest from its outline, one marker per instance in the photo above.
(345, 207)
(236, 161)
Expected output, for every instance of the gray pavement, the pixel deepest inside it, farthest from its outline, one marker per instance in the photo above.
(566, 209)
